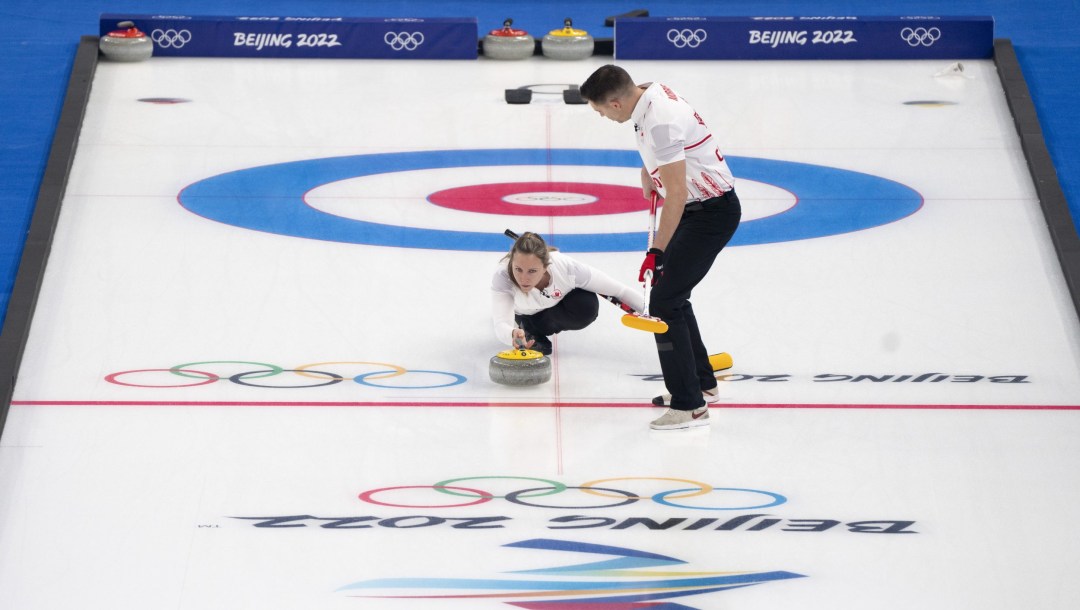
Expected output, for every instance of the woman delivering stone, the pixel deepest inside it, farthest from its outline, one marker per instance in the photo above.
(537, 292)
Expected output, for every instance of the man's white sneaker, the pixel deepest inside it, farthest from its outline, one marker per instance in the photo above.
(677, 420)
(710, 397)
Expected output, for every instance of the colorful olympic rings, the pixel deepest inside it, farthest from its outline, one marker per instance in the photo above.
(327, 378)
(552, 487)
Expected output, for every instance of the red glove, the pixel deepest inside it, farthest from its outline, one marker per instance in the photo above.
(654, 261)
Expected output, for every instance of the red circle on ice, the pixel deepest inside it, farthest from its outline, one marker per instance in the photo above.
(542, 199)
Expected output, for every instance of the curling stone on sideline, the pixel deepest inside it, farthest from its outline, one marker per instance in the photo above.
(128, 43)
(567, 43)
(519, 367)
(509, 43)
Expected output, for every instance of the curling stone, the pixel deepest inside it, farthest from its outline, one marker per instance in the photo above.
(519, 367)
(567, 43)
(508, 43)
(128, 43)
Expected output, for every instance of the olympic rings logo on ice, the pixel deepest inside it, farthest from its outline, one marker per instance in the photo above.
(309, 376)
(687, 38)
(408, 41)
(738, 498)
(170, 38)
(920, 36)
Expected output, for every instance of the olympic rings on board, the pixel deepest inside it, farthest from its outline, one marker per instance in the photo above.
(170, 38)
(920, 36)
(686, 37)
(739, 498)
(378, 378)
(407, 41)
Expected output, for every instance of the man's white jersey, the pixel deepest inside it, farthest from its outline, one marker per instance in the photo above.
(667, 130)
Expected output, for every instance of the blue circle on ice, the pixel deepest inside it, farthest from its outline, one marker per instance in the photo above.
(270, 198)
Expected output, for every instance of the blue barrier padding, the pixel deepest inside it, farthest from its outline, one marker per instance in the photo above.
(305, 37)
(804, 38)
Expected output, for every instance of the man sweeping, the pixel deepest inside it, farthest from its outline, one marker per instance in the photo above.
(682, 162)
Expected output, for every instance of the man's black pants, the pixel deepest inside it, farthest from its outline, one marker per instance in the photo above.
(703, 231)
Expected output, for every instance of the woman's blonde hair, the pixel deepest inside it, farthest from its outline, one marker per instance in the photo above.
(528, 243)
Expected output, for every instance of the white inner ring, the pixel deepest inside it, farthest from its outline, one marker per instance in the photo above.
(549, 198)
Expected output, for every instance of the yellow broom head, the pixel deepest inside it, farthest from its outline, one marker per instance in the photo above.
(721, 361)
(645, 323)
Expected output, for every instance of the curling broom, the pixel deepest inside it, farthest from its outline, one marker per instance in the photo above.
(643, 321)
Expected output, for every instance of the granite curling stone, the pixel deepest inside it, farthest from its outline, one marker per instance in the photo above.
(519, 367)
(128, 43)
(509, 43)
(567, 43)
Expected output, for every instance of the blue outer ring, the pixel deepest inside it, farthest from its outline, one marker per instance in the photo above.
(270, 198)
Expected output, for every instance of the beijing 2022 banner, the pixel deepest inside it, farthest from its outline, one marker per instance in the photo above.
(804, 38)
(304, 37)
